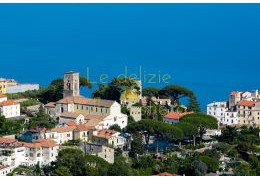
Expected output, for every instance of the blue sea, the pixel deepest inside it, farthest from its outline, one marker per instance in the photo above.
(212, 49)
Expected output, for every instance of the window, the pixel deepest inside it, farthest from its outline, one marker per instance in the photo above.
(82, 107)
(96, 110)
(68, 135)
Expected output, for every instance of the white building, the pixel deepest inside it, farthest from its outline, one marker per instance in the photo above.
(72, 116)
(97, 112)
(174, 117)
(42, 151)
(105, 111)
(14, 153)
(2, 98)
(230, 118)
(9, 108)
(17, 88)
(217, 110)
(60, 135)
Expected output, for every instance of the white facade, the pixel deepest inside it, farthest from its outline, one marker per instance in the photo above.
(119, 119)
(230, 118)
(14, 154)
(217, 110)
(171, 121)
(79, 119)
(11, 89)
(43, 155)
(3, 98)
(136, 112)
(9, 109)
(60, 135)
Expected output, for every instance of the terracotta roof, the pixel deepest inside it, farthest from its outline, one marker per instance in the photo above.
(246, 103)
(46, 143)
(63, 129)
(166, 174)
(7, 140)
(2, 96)
(83, 127)
(8, 103)
(50, 104)
(233, 93)
(105, 133)
(73, 115)
(93, 122)
(176, 115)
(86, 101)
(32, 145)
(40, 143)
(71, 123)
(94, 117)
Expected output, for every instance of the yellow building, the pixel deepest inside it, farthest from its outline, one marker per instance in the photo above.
(129, 96)
(2, 87)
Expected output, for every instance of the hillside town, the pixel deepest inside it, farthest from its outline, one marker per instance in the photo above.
(146, 129)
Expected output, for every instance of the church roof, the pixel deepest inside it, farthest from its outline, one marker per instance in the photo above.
(86, 101)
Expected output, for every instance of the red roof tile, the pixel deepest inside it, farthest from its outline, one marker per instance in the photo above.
(50, 104)
(233, 93)
(176, 115)
(83, 127)
(106, 133)
(166, 174)
(86, 101)
(63, 129)
(246, 103)
(8, 103)
(2, 96)
(71, 123)
(7, 140)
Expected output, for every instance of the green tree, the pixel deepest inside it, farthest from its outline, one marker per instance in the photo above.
(137, 146)
(175, 92)
(212, 163)
(62, 171)
(198, 168)
(229, 135)
(120, 167)
(193, 104)
(115, 88)
(244, 169)
(188, 129)
(115, 127)
(171, 165)
(150, 91)
(144, 162)
(37, 170)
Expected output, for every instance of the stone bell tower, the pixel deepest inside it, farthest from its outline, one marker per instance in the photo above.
(71, 84)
